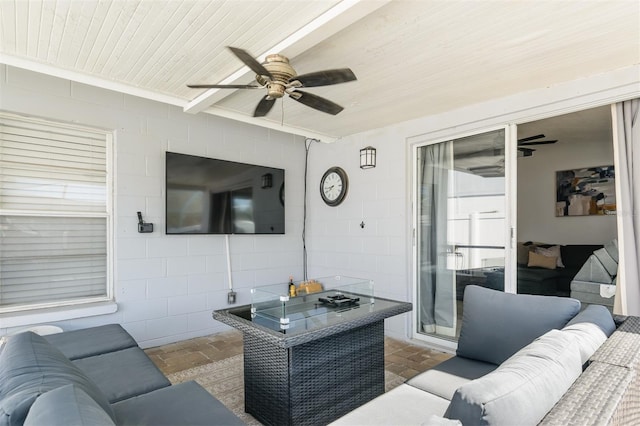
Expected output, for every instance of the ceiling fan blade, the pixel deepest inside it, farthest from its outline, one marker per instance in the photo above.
(248, 60)
(316, 102)
(264, 106)
(223, 86)
(531, 138)
(537, 143)
(324, 78)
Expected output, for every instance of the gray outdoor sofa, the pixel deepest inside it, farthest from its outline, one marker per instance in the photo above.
(523, 360)
(95, 376)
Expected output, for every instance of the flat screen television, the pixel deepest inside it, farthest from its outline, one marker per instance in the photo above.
(211, 196)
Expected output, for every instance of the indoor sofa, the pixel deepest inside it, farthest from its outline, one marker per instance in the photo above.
(544, 269)
(517, 356)
(95, 376)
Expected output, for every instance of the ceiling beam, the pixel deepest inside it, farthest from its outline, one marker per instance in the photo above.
(88, 79)
(324, 26)
(321, 137)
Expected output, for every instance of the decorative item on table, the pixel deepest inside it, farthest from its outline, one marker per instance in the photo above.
(292, 287)
(339, 300)
(310, 286)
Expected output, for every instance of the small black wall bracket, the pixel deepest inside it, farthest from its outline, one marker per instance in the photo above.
(143, 227)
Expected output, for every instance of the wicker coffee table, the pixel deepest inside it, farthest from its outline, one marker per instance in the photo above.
(313, 375)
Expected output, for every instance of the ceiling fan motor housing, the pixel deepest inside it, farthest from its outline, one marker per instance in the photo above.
(281, 72)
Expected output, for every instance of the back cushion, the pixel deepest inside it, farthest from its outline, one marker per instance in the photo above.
(524, 388)
(598, 315)
(590, 329)
(29, 367)
(574, 256)
(66, 406)
(495, 325)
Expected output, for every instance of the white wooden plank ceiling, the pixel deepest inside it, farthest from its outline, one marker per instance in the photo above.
(412, 58)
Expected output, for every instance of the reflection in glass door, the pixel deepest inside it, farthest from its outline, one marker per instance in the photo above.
(460, 226)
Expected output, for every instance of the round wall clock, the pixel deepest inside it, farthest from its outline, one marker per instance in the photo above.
(333, 186)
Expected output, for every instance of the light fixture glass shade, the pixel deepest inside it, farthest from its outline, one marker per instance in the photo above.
(367, 157)
(267, 180)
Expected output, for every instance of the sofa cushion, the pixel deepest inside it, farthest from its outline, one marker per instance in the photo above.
(495, 325)
(522, 252)
(588, 338)
(186, 403)
(525, 387)
(553, 251)
(29, 367)
(66, 406)
(537, 274)
(443, 379)
(403, 405)
(574, 256)
(598, 315)
(542, 261)
(590, 329)
(92, 341)
(123, 374)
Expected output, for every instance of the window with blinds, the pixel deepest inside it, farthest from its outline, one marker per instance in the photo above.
(54, 214)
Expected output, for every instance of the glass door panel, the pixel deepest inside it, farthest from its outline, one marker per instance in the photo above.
(461, 226)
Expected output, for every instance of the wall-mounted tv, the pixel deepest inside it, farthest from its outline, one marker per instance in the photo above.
(212, 196)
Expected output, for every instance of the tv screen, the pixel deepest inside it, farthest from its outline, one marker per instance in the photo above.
(210, 196)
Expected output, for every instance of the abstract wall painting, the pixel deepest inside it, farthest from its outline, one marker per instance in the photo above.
(586, 192)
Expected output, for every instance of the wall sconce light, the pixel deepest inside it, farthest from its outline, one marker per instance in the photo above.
(367, 157)
(267, 180)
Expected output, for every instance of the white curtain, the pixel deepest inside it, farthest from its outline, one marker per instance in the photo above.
(626, 135)
(436, 281)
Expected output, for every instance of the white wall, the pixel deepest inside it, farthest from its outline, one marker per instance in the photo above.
(167, 286)
(377, 197)
(536, 195)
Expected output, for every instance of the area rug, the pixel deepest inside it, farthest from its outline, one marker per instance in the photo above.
(225, 381)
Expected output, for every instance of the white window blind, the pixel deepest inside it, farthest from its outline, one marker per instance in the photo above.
(54, 214)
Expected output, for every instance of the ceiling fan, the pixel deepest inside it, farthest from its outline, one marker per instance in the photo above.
(532, 140)
(279, 78)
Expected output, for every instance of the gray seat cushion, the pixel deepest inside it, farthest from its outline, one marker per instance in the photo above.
(92, 341)
(66, 406)
(29, 367)
(524, 388)
(495, 325)
(183, 404)
(443, 379)
(123, 374)
(403, 405)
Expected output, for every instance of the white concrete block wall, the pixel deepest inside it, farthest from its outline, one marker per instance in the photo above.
(166, 286)
(377, 197)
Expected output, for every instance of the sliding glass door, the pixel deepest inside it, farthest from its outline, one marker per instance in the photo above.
(462, 226)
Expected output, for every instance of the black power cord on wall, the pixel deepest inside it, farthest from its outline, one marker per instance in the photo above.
(307, 147)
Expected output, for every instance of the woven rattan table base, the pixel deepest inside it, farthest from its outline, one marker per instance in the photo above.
(316, 382)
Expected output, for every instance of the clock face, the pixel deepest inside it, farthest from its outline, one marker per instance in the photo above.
(333, 186)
